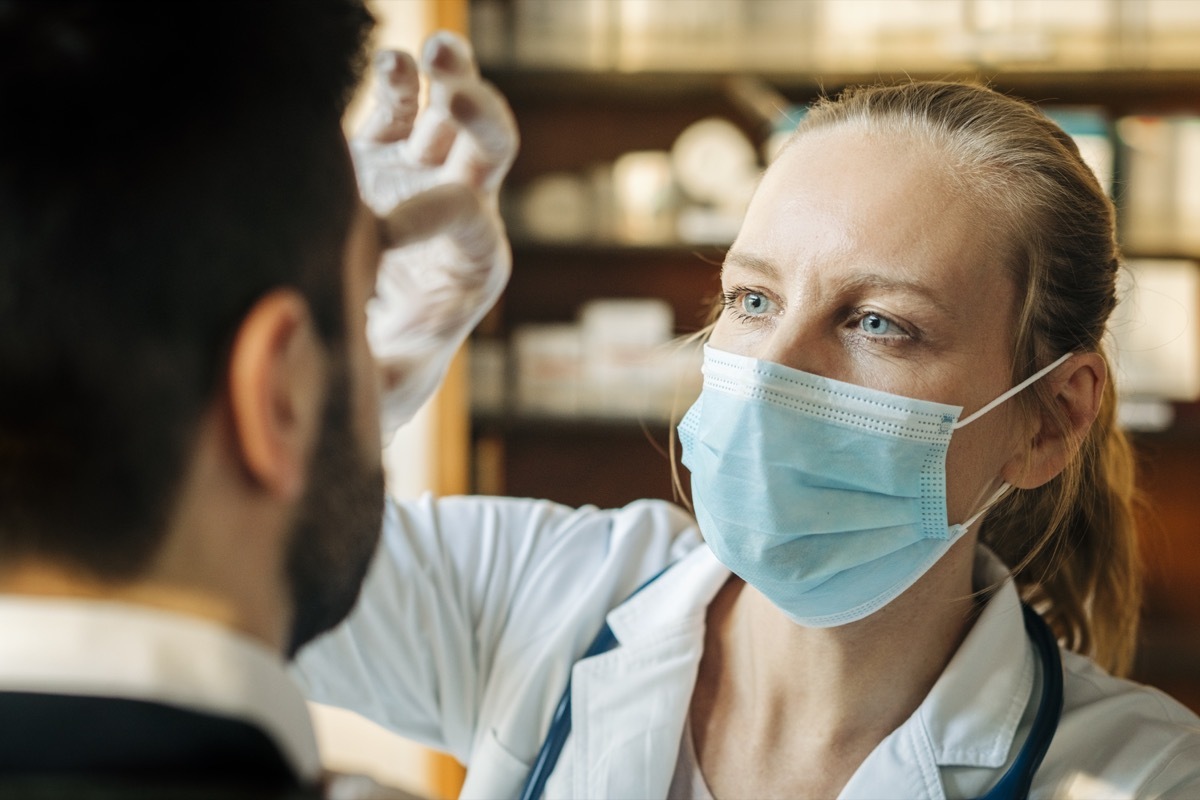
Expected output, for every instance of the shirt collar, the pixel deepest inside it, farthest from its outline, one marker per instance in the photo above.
(973, 711)
(111, 649)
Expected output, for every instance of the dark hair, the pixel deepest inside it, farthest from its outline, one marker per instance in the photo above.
(1073, 541)
(162, 166)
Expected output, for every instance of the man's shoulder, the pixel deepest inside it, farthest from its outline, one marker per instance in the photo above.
(74, 787)
(85, 746)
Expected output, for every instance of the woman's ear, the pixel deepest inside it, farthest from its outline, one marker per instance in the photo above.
(1077, 388)
(276, 386)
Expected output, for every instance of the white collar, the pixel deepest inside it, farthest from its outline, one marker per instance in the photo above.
(974, 709)
(969, 718)
(111, 649)
(972, 715)
(689, 585)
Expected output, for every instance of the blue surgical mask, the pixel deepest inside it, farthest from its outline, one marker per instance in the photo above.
(829, 498)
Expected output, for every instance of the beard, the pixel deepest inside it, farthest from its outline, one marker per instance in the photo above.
(339, 522)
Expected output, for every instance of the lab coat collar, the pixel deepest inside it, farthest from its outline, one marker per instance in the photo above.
(630, 703)
(691, 584)
(973, 711)
(971, 716)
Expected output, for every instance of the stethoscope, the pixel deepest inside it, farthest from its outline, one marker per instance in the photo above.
(1013, 785)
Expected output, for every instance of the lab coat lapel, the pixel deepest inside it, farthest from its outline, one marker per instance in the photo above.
(973, 714)
(630, 704)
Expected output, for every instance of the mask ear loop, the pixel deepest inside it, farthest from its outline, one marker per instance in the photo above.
(991, 501)
(1020, 387)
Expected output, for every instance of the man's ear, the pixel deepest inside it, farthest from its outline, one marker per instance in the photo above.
(1078, 388)
(276, 391)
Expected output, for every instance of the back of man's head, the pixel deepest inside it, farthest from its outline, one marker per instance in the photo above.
(162, 166)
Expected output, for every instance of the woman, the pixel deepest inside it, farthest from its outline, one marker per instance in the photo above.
(905, 392)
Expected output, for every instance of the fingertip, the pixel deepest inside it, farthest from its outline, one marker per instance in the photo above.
(394, 66)
(492, 137)
(448, 53)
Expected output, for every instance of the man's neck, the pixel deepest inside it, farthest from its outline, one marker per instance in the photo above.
(41, 579)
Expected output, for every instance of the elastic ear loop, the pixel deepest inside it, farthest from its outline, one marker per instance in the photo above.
(991, 501)
(1025, 384)
(1020, 387)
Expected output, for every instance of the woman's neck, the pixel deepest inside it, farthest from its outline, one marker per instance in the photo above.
(800, 708)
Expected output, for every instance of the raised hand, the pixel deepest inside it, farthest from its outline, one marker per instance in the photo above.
(432, 175)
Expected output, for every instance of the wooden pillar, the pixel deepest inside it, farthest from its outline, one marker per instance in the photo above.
(451, 427)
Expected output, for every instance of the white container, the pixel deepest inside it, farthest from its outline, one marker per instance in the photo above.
(488, 369)
(643, 191)
(558, 206)
(1154, 329)
(548, 369)
(681, 379)
(564, 33)
(1160, 209)
(623, 373)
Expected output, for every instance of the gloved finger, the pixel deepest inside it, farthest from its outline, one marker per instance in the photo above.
(395, 99)
(449, 61)
(452, 210)
(432, 136)
(446, 55)
(487, 141)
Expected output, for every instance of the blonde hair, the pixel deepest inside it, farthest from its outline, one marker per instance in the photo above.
(1072, 542)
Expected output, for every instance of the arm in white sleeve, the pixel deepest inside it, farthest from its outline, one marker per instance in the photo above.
(468, 592)
(446, 257)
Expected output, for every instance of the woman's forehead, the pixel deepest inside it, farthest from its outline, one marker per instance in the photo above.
(870, 202)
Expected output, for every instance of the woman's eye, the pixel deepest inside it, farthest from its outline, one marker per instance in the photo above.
(880, 329)
(746, 304)
(754, 303)
(877, 325)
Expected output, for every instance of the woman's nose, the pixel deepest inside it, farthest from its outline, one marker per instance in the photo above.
(801, 344)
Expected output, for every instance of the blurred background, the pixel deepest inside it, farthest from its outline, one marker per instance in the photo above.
(645, 124)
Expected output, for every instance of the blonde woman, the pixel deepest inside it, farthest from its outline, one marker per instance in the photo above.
(906, 432)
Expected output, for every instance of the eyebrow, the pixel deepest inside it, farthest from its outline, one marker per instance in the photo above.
(864, 280)
(749, 261)
(873, 280)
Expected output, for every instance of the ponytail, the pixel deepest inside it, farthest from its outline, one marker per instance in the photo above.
(1073, 545)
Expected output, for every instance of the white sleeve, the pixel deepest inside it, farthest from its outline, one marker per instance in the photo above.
(1179, 776)
(464, 588)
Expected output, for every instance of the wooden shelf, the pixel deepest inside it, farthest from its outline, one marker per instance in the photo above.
(533, 424)
(1122, 89)
(608, 248)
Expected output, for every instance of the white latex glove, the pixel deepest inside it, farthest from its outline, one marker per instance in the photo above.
(433, 178)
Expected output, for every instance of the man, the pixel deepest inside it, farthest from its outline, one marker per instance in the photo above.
(190, 485)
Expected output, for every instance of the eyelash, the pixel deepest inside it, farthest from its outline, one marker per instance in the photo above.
(905, 336)
(730, 298)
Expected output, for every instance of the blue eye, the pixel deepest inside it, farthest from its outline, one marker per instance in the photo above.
(745, 304)
(754, 303)
(876, 325)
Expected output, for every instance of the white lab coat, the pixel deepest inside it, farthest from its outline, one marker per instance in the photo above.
(476, 609)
